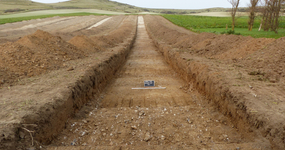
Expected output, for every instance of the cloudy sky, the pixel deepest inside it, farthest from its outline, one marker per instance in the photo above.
(171, 4)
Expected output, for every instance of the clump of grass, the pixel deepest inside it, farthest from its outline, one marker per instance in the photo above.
(230, 32)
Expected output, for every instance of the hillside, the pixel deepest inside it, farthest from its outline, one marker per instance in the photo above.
(16, 6)
(8, 6)
(11, 6)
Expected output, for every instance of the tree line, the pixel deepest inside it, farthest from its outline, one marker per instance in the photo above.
(269, 10)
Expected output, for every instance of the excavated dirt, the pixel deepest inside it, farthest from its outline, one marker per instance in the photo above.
(64, 78)
(171, 118)
(34, 54)
(65, 85)
(241, 76)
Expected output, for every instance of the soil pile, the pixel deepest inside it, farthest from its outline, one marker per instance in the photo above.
(207, 44)
(268, 63)
(228, 46)
(42, 52)
(165, 34)
(190, 41)
(116, 37)
(230, 78)
(33, 55)
(86, 44)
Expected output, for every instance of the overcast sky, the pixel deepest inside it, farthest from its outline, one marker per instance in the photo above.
(171, 4)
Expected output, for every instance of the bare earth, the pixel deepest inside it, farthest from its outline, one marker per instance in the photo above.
(66, 83)
(152, 119)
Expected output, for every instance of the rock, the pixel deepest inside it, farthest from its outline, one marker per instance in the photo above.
(70, 69)
(84, 144)
(147, 136)
(134, 128)
(273, 80)
(190, 122)
(141, 113)
(2, 81)
(162, 137)
(73, 143)
(22, 135)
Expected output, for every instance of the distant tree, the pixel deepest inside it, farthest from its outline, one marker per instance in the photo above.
(233, 11)
(252, 8)
(271, 14)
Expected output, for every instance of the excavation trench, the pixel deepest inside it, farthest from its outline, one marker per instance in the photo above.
(207, 62)
(45, 103)
(177, 117)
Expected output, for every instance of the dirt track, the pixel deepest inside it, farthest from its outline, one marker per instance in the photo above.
(75, 68)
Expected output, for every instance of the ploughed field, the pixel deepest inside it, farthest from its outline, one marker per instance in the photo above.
(66, 83)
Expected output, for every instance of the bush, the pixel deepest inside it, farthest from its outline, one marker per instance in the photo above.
(230, 32)
(13, 10)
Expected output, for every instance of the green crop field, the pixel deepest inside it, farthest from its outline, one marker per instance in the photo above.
(17, 19)
(58, 11)
(218, 25)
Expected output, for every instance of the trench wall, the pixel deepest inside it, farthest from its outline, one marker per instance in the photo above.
(50, 118)
(210, 83)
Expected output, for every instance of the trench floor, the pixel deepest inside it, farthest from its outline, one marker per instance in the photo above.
(171, 118)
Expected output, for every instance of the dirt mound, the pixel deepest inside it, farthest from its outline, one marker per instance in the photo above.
(249, 45)
(168, 35)
(268, 63)
(195, 41)
(232, 77)
(229, 46)
(86, 44)
(33, 55)
(42, 52)
(115, 37)
(210, 45)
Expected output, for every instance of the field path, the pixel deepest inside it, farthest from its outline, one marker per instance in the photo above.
(99, 23)
(170, 118)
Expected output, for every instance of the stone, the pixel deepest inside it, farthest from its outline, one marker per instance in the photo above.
(147, 136)
(162, 137)
(141, 113)
(70, 69)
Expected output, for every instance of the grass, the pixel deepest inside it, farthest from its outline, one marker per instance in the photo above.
(18, 19)
(58, 11)
(244, 31)
(218, 25)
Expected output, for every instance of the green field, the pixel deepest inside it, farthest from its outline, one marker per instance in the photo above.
(218, 25)
(59, 11)
(18, 19)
